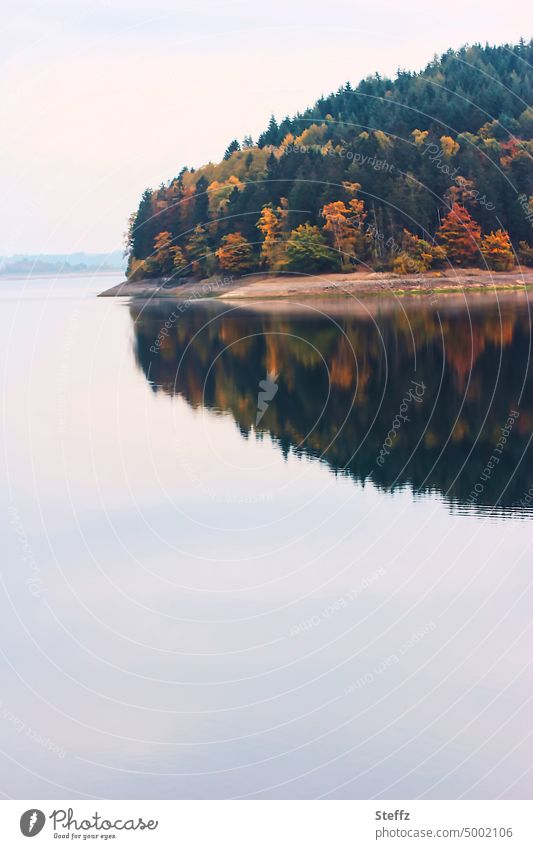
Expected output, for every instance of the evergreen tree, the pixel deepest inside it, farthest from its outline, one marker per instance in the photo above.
(232, 148)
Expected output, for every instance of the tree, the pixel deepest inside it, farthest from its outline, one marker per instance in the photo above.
(344, 225)
(271, 135)
(449, 147)
(308, 251)
(199, 250)
(404, 168)
(460, 235)
(178, 261)
(525, 253)
(162, 260)
(273, 224)
(497, 251)
(235, 253)
(417, 255)
(232, 148)
(462, 192)
(141, 235)
(201, 200)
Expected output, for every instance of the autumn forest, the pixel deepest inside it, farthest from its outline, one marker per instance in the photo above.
(405, 175)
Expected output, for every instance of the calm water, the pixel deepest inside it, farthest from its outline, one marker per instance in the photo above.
(334, 602)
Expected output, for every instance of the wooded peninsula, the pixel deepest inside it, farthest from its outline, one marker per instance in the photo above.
(429, 171)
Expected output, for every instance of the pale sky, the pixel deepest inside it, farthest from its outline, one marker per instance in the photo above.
(102, 98)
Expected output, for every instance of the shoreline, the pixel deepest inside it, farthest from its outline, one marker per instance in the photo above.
(358, 284)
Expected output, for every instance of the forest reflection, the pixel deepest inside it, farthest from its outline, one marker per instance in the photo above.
(345, 378)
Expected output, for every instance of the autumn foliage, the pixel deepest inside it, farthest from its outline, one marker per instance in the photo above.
(235, 253)
(497, 251)
(273, 224)
(344, 227)
(460, 236)
(360, 167)
(418, 255)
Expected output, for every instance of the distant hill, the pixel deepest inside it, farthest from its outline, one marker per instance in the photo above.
(429, 168)
(75, 263)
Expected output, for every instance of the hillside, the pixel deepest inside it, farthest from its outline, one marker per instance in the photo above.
(427, 170)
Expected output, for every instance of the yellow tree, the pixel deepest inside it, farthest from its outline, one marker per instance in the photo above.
(273, 224)
(449, 147)
(344, 226)
(178, 261)
(497, 251)
(162, 257)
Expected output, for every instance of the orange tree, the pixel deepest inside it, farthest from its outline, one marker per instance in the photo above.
(235, 253)
(460, 235)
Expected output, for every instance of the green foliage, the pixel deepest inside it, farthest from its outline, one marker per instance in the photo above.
(307, 250)
(200, 253)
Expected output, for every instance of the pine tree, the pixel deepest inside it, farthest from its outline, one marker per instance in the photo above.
(142, 234)
(201, 201)
(232, 148)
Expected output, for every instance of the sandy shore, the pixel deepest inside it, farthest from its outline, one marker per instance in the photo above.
(266, 287)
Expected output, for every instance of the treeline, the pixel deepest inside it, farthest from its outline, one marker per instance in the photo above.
(428, 169)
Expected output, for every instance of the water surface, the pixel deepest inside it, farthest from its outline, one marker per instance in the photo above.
(334, 601)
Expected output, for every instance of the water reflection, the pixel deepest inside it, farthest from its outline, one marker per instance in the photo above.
(407, 395)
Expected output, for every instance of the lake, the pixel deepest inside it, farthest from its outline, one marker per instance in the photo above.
(265, 551)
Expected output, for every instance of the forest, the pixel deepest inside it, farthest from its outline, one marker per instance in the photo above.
(406, 175)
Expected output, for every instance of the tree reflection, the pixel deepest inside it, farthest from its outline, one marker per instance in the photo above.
(342, 376)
